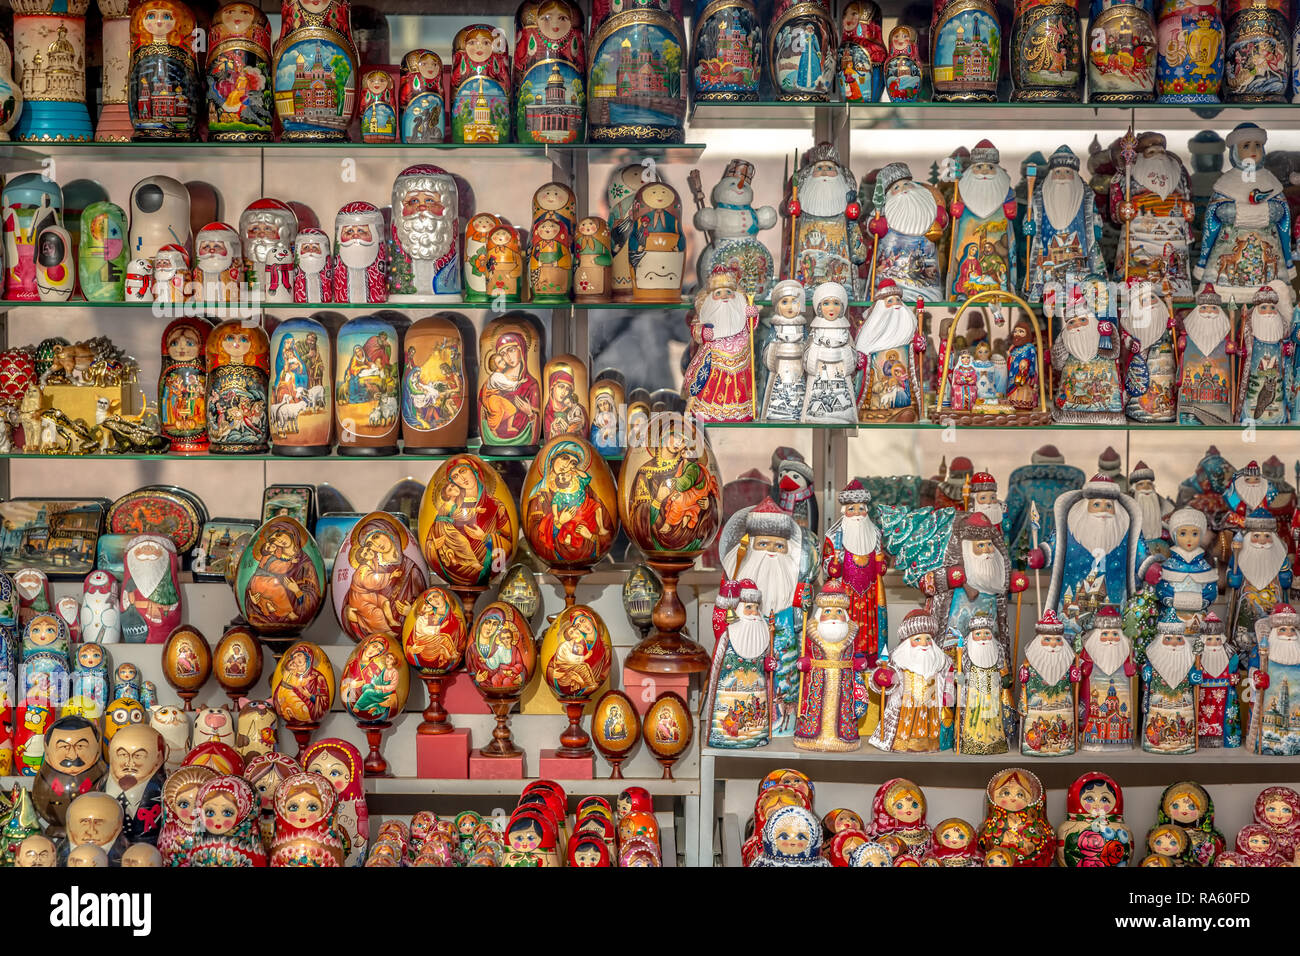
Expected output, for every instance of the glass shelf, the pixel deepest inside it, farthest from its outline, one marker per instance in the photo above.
(995, 116)
(332, 456)
(367, 307)
(767, 113)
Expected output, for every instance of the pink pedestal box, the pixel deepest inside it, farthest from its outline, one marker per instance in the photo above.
(442, 756)
(462, 697)
(495, 768)
(644, 688)
(566, 768)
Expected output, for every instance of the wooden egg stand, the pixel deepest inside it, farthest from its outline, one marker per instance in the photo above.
(575, 743)
(374, 764)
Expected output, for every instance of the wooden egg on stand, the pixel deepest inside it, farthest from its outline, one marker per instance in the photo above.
(468, 526)
(615, 729)
(378, 573)
(237, 661)
(280, 583)
(302, 690)
(187, 662)
(373, 688)
(434, 635)
(667, 730)
(570, 509)
(501, 659)
(576, 657)
(670, 503)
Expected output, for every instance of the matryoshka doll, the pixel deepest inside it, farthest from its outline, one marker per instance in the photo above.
(340, 764)
(436, 374)
(899, 808)
(965, 50)
(657, 249)
(1046, 53)
(313, 267)
(478, 231)
(378, 108)
(1188, 805)
(550, 71)
(726, 51)
(56, 270)
(238, 370)
(1094, 832)
(11, 94)
(801, 59)
(226, 828)
(170, 282)
(1168, 843)
(1016, 818)
(862, 51)
(510, 385)
(652, 107)
(501, 264)
(421, 99)
(531, 839)
(480, 85)
(550, 255)
(316, 38)
(565, 385)
(621, 194)
(367, 370)
(1279, 809)
(241, 98)
(792, 836)
(101, 253)
(301, 406)
(164, 93)
(953, 844)
(592, 273)
(183, 385)
(360, 254)
(607, 401)
(1121, 52)
(1189, 43)
(305, 833)
(904, 71)
(1257, 845)
(1257, 58)
(31, 204)
(50, 56)
(588, 850)
(90, 685)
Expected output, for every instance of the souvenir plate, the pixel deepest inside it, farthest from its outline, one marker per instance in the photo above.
(157, 511)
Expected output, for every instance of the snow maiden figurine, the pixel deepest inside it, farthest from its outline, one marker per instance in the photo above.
(829, 360)
(783, 355)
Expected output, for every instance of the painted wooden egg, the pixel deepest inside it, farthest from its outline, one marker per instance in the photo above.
(615, 724)
(667, 728)
(576, 654)
(570, 504)
(501, 656)
(670, 493)
(375, 680)
(281, 579)
(237, 661)
(378, 573)
(468, 523)
(434, 633)
(302, 687)
(186, 659)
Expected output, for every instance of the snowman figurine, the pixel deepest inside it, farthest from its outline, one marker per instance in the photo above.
(732, 225)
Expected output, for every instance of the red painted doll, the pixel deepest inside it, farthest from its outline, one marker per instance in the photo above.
(226, 831)
(899, 809)
(1278, 808)
(1016, 819)
(340, 763)
(1259, 845)
(305, 834)
(180, 809)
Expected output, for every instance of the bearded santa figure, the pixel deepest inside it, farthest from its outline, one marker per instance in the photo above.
(1259, 573)
(171, 274)
(1188, 581)
(982, 681)
(762, 546)
(976, 580)
(1205, 356)
(832, 688)
(1273, 673)
(888, 345)
(100, 623)
(1151, 504)
(312, 267)
(852, 554)
(829, 361)
(738, 697)
(219, 265)
(268, 228)
(918, 690)
(32, 587)
(1064, 231)
(1085, 356)
(151, 592)
(423, 253)
(1047, 703)
(1171, 677)
(719, 381)
(1148, 358)
(360, 255)
(1267, 344)
(828, 244)
(907, 227)
(982, 255)
(1252, 489)
(1107, 697)
(984, 498)
(1155, 208)
(1218, 718)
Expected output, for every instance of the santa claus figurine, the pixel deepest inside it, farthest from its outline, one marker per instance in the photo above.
(360, 255)
(151, 591)
(99, 613)
(313, 269)
(738, 696)
(423, 245)
(907, 228)
(719, 382)
(219, 264)
(888, 347)
(852, 553)
(918, 690)
(827, 720)
(268, 228)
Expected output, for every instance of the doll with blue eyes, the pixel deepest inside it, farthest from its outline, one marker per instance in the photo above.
(899, 809)
(226, 831)
(180, 811)
(304, 823)
(792, 836)
(90, 681)
(1094, 832)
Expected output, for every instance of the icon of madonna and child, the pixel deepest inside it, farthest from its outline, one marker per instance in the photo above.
(567, 521)
(471, 536)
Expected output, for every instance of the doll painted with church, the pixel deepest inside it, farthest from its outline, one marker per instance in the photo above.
(1206, 357)
(1171, 680)
(1064, 228)
(1273, 670)
(738, 697)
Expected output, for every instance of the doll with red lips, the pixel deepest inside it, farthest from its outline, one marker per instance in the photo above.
(266, 772)
(1278, 808)
(226, 831)
(304, 823)
(1259, 845)
(340, 763)
(180, 810)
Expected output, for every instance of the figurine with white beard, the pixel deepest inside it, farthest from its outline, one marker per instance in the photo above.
(219, 265)
(907, 227)
(1047, 679)
(826, 240)
(100, 623)
(1188, 583)
(783, 356)
(312, 271)
(1267, 346)
(360, 254)
(1172, 676)
(829, 361)
(1085, 358)
(1152, 505)
(268, 228)
(976, 580)
(1218, 714)
(830, 685)
(423, 252)
(733, 225)
(982, 255)
(984, 498)
(1259, 573)
(851, 553)
(1274, 678)
(1107, 696)
(1150, 364)
(1206, 353)
(1064, 231)
(719, 381)
(982, 679)
(918, 690)
(888, 345)
(738, 696)
(1154, 203)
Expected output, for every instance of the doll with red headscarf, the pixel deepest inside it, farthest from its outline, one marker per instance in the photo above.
(180, 811)
(1016, 818)
(953, 843)
(226, 830)
(1094, 832)
(1258, 845)
(1278, 808)
(266, 772)
(899, 809)
(304, 823)
(340, 763)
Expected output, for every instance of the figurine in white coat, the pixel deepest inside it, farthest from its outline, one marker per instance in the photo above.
(99, 614)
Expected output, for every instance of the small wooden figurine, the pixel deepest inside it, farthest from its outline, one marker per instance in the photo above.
(367, 372)
(378, 108)
(657, 247)
(241, 97)
(152, 599)
(183, 385)
(305, 833)
(360, 254)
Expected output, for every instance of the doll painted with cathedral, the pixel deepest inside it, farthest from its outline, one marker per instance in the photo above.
(480, 86)
(1273, 670)
(315, 50)
(164, 92)
(1064, 229)
(1047, 679)
(550, 68)
(378, 108)
(1107, 695)
(1206, 350)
